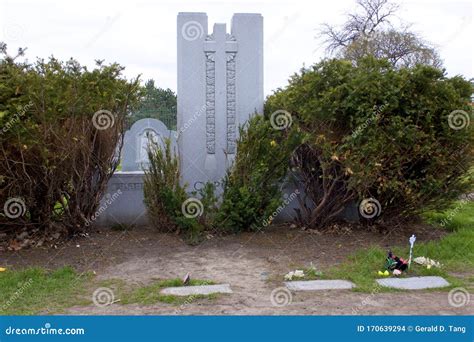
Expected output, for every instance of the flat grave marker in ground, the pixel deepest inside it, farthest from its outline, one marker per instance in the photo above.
(197, 290)
(414, 283)
(317, 285)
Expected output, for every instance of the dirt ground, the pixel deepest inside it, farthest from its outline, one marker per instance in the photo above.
(252, 263)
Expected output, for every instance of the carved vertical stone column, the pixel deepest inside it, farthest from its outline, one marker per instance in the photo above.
(210, 103)
(230, 96)
(220, 49)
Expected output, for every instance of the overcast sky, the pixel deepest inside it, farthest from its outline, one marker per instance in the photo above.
(141, 35)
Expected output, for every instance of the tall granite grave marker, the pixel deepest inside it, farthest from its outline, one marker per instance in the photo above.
(220, 85)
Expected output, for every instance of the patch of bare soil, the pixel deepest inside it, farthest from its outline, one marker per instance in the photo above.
(250, 262)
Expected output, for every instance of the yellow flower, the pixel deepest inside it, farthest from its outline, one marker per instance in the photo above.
(273, 143)
(2, 269)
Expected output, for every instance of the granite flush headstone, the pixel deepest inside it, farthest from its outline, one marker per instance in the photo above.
(196, 290)
(317, 285)
(414, 283)
(220, 85)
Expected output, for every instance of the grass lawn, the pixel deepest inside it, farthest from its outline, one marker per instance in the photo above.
(455, 251)
(150, 294)
(37, 291)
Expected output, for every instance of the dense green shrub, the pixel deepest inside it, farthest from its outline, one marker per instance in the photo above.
(252, 187)
(170, 208)
(60, 127)
(373, 131)
(162, 190)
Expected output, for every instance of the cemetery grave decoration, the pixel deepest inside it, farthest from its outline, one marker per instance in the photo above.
(424, 261)
(412, 242)
(294, 274)
(395, 264)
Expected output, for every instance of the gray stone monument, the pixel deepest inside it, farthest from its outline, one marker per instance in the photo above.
(220, 85)
(123, 201)
(135, 143)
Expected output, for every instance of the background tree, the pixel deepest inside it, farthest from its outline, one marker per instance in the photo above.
(156, 103)
(369, 31)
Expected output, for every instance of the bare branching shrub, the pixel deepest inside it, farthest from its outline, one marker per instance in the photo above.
(62, 128)
(162, 190)
(170, 207)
